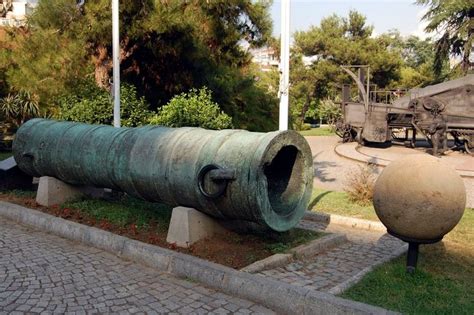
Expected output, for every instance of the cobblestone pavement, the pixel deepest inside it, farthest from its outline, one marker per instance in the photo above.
(42, 273)
(329, 269)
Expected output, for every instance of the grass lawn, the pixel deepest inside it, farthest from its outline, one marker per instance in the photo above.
(336, 202)
(125, 212)
(443, 282)
(321, 131)
(5, 155)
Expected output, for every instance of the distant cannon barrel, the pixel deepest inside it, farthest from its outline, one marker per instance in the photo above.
(264, 178)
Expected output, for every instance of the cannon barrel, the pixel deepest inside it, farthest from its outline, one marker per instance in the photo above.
(264, 178)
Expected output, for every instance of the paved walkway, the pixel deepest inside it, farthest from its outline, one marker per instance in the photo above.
(463, 163)
(43, 273)
(328, 270)
(330, 170)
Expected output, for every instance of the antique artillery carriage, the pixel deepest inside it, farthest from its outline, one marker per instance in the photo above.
(264, 178)
(436, 112)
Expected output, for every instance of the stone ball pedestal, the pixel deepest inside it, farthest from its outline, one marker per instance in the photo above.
(419, 199)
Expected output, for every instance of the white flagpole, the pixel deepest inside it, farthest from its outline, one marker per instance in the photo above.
(116, 61)
(284, 63)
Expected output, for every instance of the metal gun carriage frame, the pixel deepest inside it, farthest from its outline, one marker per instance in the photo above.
(436, 112)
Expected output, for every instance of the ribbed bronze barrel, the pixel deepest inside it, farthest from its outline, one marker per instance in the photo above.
(231, 174)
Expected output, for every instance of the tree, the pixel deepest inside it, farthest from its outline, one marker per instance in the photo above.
(337, 41)
(418, 57)
(167, 47)
(329, 111)
(44, 64)
(454, 19)
(356, 26)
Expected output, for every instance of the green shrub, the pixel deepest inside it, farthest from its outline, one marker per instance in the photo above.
(92, 105)
(305, 127)
(329, 111)
(192, 109)
(299, 125)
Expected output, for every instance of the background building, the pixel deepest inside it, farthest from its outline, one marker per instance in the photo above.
(13, 13)
(265, 57)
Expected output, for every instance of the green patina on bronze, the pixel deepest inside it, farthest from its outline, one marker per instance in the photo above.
(264, 178)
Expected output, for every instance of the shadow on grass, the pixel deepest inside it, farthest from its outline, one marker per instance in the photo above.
(318, 198)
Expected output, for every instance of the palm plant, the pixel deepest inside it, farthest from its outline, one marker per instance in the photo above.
(19, 107)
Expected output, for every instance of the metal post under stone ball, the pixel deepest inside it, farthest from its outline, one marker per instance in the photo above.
(413, 249)
(419, 199)
(265, 178)
(412, 256)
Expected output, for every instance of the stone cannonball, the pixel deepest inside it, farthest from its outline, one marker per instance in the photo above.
(419, 197)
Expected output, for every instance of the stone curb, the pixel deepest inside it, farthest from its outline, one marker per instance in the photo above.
(346, 221)
(273, 261)
(300, 252)
(319, 245)
(276, 295)
(362, 158)
(338, 289)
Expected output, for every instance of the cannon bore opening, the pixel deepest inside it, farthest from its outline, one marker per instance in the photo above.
(285, 178)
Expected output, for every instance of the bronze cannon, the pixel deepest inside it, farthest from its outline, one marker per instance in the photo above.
(265, 178)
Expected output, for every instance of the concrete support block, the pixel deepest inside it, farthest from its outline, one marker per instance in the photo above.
(52, 191)
(188, 226)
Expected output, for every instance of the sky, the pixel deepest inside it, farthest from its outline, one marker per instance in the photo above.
(384, 15)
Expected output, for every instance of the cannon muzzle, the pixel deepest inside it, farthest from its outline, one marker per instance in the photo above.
(264, 178)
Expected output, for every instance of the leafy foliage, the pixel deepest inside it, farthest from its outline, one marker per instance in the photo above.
(193, 109)
(167, 47)
(418, 60)
(336, 41)
(329, 111)
(454, 20)
(18, 107)
(51, 63)
(92, 105)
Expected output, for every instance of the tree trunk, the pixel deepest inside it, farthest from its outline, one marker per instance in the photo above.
(304, 109)
(103, 64)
